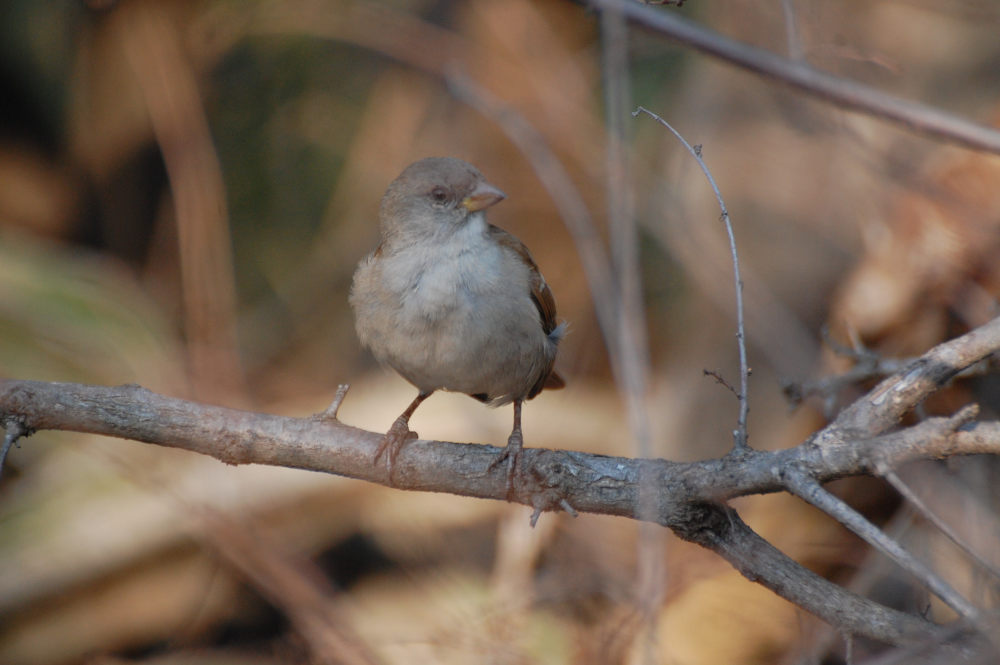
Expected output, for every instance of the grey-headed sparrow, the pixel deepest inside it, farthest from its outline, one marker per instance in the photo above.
(452, 302)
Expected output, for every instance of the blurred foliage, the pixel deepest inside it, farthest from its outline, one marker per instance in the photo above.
(185, 190)
(283, 111)
(72, 316)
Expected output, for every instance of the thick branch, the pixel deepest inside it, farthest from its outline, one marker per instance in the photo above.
(686, 500)
(688, 497)
(751, 555)
(590, 483)
(808, 489)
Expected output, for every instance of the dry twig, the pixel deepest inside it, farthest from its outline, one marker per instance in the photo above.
(842, 92)
(740, 435)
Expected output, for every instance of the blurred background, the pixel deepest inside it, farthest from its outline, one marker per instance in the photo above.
(187, 186)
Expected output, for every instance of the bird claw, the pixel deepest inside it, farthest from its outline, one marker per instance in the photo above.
(393, 441)
(512, 454)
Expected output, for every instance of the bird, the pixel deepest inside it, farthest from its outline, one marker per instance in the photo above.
(454, 303)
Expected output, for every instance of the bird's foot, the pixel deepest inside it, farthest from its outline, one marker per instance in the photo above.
(512, 454)
(393, 441)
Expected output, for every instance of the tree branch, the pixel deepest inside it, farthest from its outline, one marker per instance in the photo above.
(685, 503)
(882, 408)
(689, 497)
(842, 92)
(808, 489)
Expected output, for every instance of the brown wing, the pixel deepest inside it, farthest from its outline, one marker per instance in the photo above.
(541, 295)
(553, 382)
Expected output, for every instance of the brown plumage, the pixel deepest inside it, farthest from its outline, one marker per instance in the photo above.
(452, 302)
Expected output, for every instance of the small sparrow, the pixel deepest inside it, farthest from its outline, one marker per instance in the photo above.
(452, 302)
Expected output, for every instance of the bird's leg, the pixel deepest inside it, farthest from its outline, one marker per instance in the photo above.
(512, 453)
(399, 434)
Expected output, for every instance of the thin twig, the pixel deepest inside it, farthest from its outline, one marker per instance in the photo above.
(828, 387)
(868, 364)
(792, 40)
(632, 337)
(633, 350)
(935, 519)
(178, 119)
(803, 486)
(854, 96)
(721, 380)
(15, 430)
(332, 410)
(740, 435)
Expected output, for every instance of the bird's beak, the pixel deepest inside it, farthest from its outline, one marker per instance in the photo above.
(482, 197)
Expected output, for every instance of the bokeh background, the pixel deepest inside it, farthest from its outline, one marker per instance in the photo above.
(187, 186)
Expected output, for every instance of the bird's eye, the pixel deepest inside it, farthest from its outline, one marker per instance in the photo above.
(439, 195)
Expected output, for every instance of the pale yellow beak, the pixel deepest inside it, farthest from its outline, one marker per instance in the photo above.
(482, 197)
